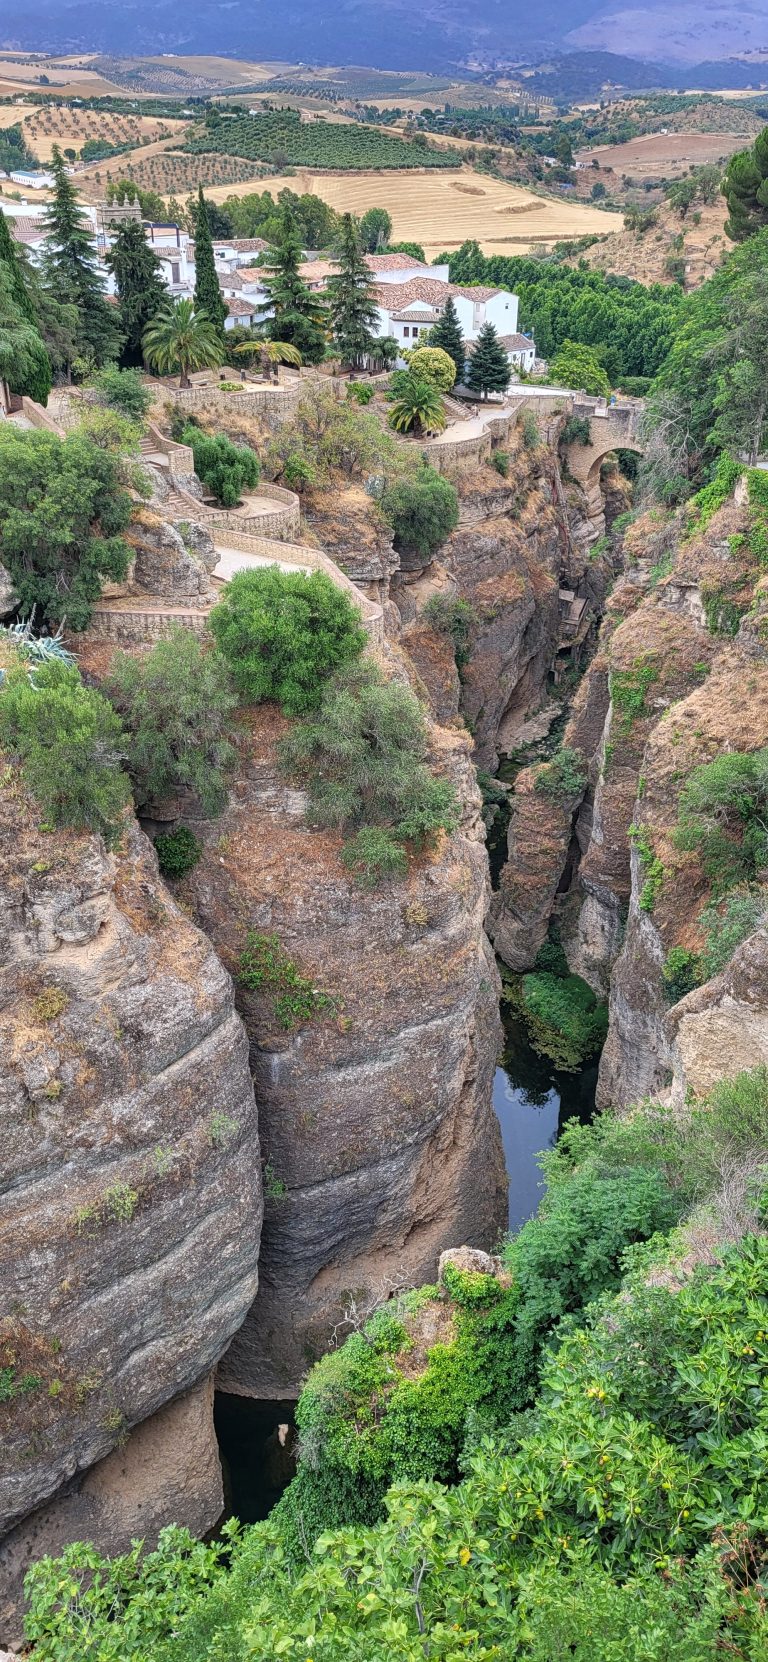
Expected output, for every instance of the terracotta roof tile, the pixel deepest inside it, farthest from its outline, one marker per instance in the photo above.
(240, 308)
(400, 295)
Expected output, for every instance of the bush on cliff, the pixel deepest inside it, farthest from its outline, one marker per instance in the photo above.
(176, 704)
(63, 510)
(283, 633)
(226, 468)
(565, 1021)
(723, 817)
(363, 759)
(71, 745)
(422, 511)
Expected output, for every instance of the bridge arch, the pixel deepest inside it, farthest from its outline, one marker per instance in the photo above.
(611, 427)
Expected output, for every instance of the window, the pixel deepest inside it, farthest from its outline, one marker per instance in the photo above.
(415, 331)
(406, 332)
(175, 272)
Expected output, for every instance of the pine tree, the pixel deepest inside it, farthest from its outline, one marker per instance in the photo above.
(140, 287)
(70, 269)
(489, 369)
(352, 305)
(447, 334)
(208, 295)
(28, 372)
(291, 312)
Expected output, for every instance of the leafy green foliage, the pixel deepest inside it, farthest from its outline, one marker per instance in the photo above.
(176, 705)
(70, 743)
(529, 428)
(745, 188)
(629, 688)
(422, 510)
(329, 436)
(375, 230)
(208, 298)
(70, 269)
(705, 504)
(722, 817)
(727, 923)
(177, 852)
(363, 758)
(226, 468)
(576, 430)
(373, 854)
(280, 137)
(651, 867)
(432, 363)
(635, 323)
(62, 511)
(580, 366)
(265, 966)
(418, 407)
(283, 633)
(123, 390)
(682, 972)
(24, 363)
(563, 1017)
(139, 284)
(181, 338)
(564, 775)
(290, 311)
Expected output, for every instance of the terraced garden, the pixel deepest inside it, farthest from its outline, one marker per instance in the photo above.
(281, 137)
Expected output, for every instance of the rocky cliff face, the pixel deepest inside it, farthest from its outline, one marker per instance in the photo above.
(131, 1176)
(376, 1119)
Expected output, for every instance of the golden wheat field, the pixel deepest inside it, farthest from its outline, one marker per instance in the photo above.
(441, 211)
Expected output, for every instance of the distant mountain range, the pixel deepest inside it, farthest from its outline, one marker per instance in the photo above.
(440, 35)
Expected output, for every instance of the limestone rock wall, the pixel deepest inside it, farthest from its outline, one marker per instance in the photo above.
(380, 1142)
(131, 1213)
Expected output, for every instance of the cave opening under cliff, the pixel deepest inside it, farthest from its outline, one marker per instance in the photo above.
(257, 1447)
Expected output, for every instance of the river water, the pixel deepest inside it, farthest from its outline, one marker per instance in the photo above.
(533, 1100)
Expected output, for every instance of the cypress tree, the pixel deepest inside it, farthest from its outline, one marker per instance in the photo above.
(489, 369)
(140, 287)
(208, 295)
(291, 312)
(352, 306)
(447, 334)
(70, 269)
(28, 372)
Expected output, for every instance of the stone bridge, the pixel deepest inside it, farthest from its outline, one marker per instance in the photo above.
(612, 427)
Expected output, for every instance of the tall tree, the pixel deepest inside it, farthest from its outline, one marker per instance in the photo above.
(70, 269)
(140, 287)
(745, 188)
(208, 296)
(182, 339)
(27, 366)
(447, 334)
(291, 311)
(351, 298)
(489, 369)
(375, 230)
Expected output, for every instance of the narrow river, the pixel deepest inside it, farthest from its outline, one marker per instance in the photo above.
(532, 1102)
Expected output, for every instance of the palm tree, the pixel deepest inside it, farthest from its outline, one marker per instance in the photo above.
(385, 352)
(419, 406)
(179, 338)
(272, 353)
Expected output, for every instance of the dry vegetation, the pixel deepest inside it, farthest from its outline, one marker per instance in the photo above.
(177, 175)
(45, 127)
(644, 255)
(667, 154)
(441, 210)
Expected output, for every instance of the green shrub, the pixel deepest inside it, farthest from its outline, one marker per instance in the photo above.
(123, 390)
(529, 428)
(283, 633)
(456, 618)
(628, 691)
(705, 504)
(563, 1017)
(500, 460)
(299, 474)
(432, 363)
(63, 509)
(226, 468)
(728, 923)
(361, 391)
(265, 966)
(422, 511)
(374, 854)
(177, 852)
(651, 867)
(576, 430)
(176, 704)
(682, 972)
(722, 612)
(564, 776)
(363, 759)
(722, 817)
(70, 742)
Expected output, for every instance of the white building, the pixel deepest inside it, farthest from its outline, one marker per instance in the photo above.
(32, 181)
(411, 297)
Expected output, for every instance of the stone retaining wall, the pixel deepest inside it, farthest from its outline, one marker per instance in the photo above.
(251, 400)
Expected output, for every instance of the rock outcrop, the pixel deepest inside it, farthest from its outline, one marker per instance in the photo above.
(376, 1121)
(131, 1174)
(172, 560)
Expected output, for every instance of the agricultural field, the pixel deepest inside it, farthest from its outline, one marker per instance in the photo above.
(281, 136)
(74, 77)
(442, 210)
(667, 155)
(47, 125)
(174, 173)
